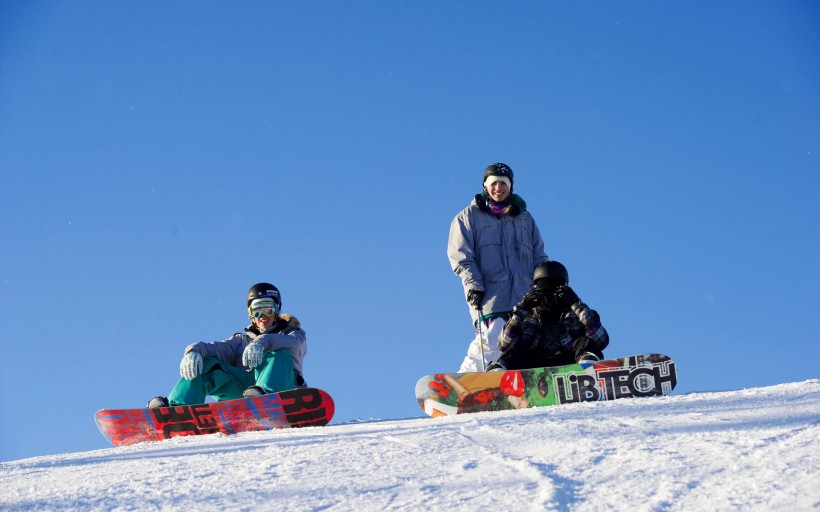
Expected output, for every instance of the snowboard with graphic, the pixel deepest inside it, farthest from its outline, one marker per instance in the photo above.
(302, 407)
(446, 394)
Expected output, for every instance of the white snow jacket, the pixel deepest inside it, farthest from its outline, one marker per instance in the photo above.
(285, 333)
(496, 255)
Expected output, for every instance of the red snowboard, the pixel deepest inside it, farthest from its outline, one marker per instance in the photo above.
(303, 407)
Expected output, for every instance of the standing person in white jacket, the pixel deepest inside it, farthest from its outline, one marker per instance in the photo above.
(494, 247)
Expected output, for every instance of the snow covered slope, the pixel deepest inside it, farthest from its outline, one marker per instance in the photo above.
(755, 449)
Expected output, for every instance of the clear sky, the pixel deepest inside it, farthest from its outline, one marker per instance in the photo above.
(157, 159)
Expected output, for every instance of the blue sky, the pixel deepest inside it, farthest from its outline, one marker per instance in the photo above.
(158, 159)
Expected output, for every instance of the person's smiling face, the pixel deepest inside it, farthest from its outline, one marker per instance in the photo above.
(498, 191)
(262, 323)
(263, 313)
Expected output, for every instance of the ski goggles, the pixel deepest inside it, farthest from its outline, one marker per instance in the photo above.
(550, 283)
(263, 308)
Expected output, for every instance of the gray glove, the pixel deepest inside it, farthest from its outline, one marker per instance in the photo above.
(254, 355)
(191, 365)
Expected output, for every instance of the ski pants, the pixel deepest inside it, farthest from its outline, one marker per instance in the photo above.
(488, 337)
(520, 358)
(225, 382)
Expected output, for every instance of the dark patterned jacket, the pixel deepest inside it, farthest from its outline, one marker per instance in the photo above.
(527, 329)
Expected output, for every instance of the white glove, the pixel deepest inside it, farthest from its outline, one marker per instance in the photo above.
(191, 365)
(253, 355)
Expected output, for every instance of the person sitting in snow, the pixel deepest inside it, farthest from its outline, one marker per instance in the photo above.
(550, 326)
(266, 358)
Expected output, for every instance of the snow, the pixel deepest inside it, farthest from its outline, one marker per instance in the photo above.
(752, 449)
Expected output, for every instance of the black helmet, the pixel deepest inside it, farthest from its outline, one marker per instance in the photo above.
(260, 290)
(551, 270)
(498, 169)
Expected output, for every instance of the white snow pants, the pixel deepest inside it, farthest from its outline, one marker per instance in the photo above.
(490, 329)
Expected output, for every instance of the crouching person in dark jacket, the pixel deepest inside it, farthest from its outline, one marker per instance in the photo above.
(550, 326)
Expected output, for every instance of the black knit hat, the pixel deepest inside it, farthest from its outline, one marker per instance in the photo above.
(498, 169)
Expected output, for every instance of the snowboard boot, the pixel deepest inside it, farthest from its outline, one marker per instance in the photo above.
(588, 357)
(254, 391)
(158, 401)
(495, 366)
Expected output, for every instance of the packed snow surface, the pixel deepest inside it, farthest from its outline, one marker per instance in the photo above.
(754, 449)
